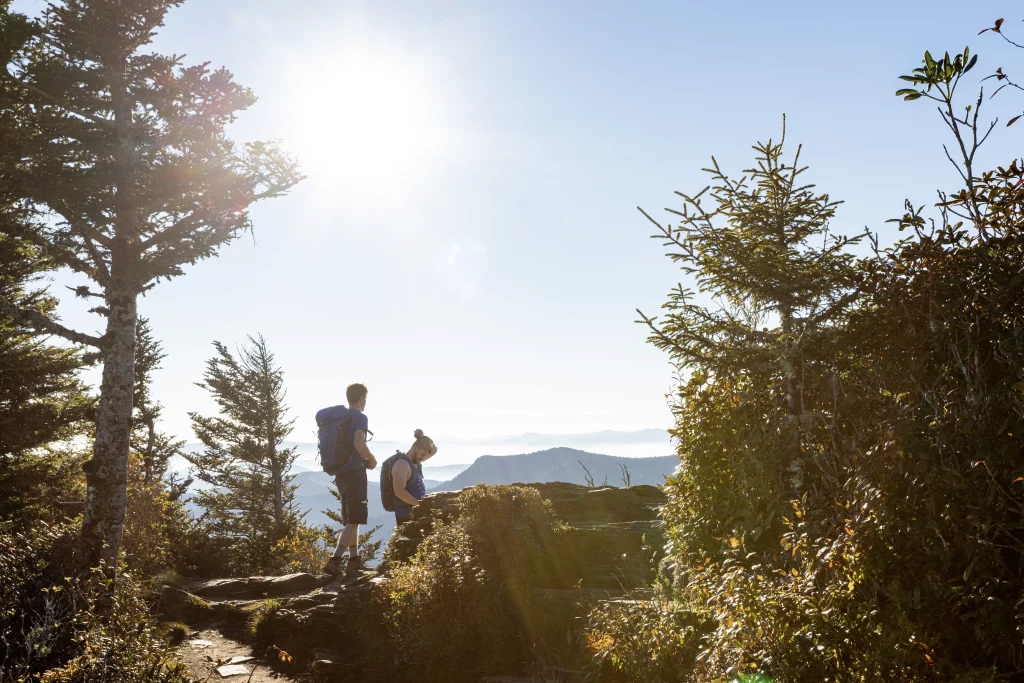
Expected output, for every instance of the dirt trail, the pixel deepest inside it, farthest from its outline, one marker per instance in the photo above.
(203, 660)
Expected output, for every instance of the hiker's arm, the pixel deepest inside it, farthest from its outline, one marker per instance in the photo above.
(363, 450)
(400, 473)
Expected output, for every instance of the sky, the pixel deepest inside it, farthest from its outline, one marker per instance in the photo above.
(467, 241)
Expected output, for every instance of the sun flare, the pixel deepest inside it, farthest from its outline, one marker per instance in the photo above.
(367, 125)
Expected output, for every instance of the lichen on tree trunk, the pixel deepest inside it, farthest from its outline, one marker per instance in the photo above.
(107, 471)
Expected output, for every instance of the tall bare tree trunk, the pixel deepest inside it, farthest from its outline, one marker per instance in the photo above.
(107, 472)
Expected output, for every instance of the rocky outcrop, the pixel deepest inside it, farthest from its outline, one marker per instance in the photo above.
(611, 532)
(606, 544)
(303, 614)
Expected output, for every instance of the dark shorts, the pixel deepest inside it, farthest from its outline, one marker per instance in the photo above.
(352, 487)
(402, 512)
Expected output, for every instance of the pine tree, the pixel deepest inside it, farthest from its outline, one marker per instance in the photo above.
(42, 400)
(125, 169)
(253, 497)
(44, 406)
(155, 448)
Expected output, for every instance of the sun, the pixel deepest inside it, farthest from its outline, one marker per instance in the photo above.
(366, 124)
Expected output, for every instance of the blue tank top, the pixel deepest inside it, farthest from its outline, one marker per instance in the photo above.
(416, 488)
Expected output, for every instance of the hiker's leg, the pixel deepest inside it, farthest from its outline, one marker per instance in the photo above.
(352, 488)
(348, 540)
(356, 512)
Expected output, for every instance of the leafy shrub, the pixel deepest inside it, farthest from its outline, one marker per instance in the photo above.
(62, 628)
(41, 613)
(465, 604)
(848, 503)
(155, 524)
(302, 550)
(642, 639)
(126, 647)
(306, 549)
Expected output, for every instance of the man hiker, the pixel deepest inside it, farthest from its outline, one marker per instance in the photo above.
(406, 473)
(343, 434)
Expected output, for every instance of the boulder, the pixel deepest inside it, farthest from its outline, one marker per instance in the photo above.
(221, 588)
(291, 583)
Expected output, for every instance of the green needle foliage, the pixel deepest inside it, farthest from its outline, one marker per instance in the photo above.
(252, 503)
(123, 173)
(42, 400)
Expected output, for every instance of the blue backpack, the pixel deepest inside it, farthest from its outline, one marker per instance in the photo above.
(334, 437)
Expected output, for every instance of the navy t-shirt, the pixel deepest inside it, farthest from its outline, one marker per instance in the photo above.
(357, 422)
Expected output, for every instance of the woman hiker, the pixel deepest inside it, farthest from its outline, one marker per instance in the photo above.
(407, 477)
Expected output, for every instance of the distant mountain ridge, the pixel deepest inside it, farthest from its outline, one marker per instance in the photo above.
(561, 464)
(554, 464)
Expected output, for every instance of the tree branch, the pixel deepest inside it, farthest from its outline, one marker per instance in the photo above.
(53, 100)
(179, 228)
(40, 322)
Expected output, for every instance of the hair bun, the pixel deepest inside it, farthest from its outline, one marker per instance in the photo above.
(418, 434)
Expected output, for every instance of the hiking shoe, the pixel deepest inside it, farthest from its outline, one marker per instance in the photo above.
(354, 566)
(333, 566)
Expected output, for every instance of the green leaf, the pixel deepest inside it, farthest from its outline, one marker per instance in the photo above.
(905, 91)
(929, 62)
(915, 96)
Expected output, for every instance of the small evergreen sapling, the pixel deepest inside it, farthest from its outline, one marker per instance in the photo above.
(781, 284)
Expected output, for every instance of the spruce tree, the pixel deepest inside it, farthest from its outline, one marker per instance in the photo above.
(44, 406)
(252, 499)
(42, 400)
(126, 175)
(776, 285)
(154, 448)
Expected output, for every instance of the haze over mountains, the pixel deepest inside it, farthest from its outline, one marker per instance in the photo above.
(562, 464)
(526, 458)
(456, 454)
(556, 464)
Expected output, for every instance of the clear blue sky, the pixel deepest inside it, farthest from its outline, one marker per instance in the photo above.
(467, 243)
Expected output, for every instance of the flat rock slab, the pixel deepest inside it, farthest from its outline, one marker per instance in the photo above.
(255, 587)
(232, 670)
(200, 644)
(226, 588)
